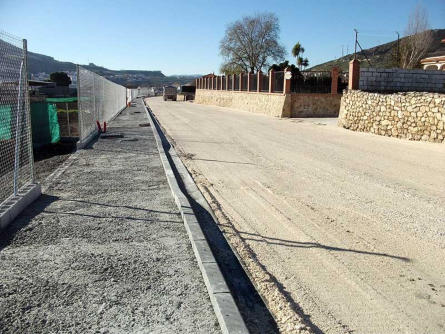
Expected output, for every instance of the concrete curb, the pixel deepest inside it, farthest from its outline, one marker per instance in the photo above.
(81, 144)
(226, 310)
(14, 205)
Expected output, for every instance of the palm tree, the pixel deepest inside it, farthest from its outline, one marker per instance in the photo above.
(305, 63)
(297, 50)
(300, 62)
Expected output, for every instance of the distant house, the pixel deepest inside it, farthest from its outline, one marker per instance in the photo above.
(434, 63)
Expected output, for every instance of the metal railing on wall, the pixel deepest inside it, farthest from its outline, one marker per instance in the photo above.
(281, 82)
(278, 81)
(244, 81)
(236, 82)
(253, 82)
(312, 82)
(16, 156)
(265, 84)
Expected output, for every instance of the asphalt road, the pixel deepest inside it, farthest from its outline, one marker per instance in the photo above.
(104, 250)
(341, 231)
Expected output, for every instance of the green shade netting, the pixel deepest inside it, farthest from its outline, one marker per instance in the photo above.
(5, 122)
(61, 99)
(45, 126)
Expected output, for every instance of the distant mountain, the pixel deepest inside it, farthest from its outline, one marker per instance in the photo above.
(39, 65)
(382, 56)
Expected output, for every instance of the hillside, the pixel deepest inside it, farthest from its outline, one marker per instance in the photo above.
(40, 67)
(382, 56)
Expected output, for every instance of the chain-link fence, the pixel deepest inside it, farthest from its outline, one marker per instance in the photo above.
(99, 99)
(16, 157)
(143, 91)
(132, 94)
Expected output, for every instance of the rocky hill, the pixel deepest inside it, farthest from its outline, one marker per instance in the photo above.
(40, 66)
(382, 56)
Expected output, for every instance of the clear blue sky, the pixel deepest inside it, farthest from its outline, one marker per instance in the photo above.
(182, 37)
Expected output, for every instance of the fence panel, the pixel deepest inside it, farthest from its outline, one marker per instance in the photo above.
(99, 100)
(265, 84)
(253, 82)
(16, 157)
(236, 85)
(223, 82)
(229, 82)
(278, 82)
(244, 81)
(312, 82)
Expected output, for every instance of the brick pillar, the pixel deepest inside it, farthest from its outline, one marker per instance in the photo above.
(249, 75)
(354, 74)
(233, 81)
(241, 75)
(259, 81)
(227, 82)
(334, 80)
(271, 80)
(220, 82)
(287, 82)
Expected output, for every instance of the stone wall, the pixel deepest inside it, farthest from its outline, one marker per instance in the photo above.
(401, 80)
(315, 105)
(413, 115)
(277, 105)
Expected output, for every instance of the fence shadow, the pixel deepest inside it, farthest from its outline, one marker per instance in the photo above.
(300, 244)
(38, 206)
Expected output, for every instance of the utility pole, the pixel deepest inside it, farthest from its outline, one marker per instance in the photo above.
(398, 48)
(355, 44)
(342, 54)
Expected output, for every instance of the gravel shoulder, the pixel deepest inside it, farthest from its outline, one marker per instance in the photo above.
(104, 250)
(339, 230)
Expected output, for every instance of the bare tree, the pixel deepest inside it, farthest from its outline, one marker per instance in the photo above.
(231, 68)
(251, 42)
(418, 39)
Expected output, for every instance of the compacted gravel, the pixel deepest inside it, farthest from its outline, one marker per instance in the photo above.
(104, 250)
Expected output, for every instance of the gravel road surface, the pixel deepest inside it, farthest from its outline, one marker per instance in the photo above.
(341, 231)
(104, 250)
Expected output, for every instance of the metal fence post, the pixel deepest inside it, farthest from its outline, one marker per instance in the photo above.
(28, 110)
(79, 105)
(18, 132)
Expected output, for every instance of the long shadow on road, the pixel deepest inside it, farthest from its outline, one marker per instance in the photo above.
(301, 244)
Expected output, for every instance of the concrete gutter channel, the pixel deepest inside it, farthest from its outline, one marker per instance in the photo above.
(237, 304)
